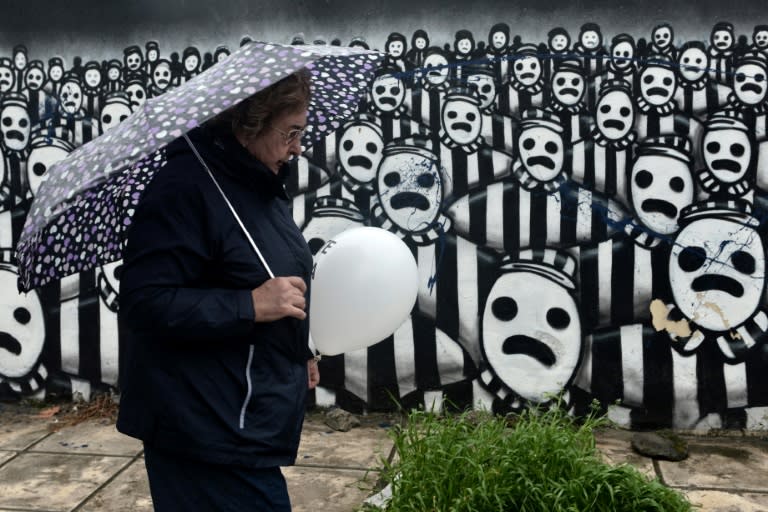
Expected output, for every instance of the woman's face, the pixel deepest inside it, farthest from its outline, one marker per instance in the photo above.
(271, 146)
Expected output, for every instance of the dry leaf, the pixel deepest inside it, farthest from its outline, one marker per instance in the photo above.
(49, 412)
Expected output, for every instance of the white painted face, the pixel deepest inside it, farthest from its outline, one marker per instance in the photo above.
(395, 48)
(360, 152)
(531, 334)
(590, 39)
(152, 55)
(161, 75)
(420, 43)
(41, 158)
(623, 54)
(7, 79)
(92, 77)
(657, 85)
(717, 272)
(722, 39)
(461, 120)
(568, 87)
(136, 94)
(388, 93)
(662, 36)
(693, 64)
(727, 154)
(410, 189)
(191, 62)
(114, 113)
(485, 87)
(527, 69)
(559, 43)
(113, 73)
(320, 229)
(615, 115)
(660, 187)
(221, 56)
(133, 61)
(22, 328)
(55, 72)
(749, 84)
(436, 67)
(760, 38)
(15, 127)
(20, 60)
(464, 46)
(499, 40)
(71, 97)
(541, 152)
(34, 79)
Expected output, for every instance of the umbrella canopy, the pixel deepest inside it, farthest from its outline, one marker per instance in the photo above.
(85, 203)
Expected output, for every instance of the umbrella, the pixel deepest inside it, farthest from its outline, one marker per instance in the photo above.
(78, 218)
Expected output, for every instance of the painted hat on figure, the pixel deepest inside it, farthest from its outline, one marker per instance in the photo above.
(534, 117)
(672, 146)
(557, 266)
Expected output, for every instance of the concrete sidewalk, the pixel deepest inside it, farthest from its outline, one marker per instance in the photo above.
(90, 467)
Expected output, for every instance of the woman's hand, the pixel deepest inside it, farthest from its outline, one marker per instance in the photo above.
(314, 373)
(278, 298)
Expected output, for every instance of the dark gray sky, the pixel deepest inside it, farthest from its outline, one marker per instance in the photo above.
(96, 29)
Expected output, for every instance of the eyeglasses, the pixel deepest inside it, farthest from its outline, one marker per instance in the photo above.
(290, 136)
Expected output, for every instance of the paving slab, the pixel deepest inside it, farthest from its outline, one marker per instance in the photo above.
(5, 456)
(616, 448)
(91, 437)
(56, 482)
(19, 435)
(721, 501)
(733, 464)
(359, 448)
(128, 492)
(328, 490)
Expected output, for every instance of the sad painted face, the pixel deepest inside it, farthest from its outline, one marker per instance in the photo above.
(749, 83)
(660, 187)
(527, 70)
(615, 115)
(568, 87)
(657, 85)
(388, 93)
(727, 154)
(541, 152)
(461, 120)
(360, 151)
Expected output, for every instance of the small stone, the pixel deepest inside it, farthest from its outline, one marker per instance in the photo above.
(660, 445)
(340, 420)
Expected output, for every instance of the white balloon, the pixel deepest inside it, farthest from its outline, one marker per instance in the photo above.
(364, 285)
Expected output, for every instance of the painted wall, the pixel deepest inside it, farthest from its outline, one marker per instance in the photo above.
(585, 201)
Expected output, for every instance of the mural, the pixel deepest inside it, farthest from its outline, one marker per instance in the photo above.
(587, 216)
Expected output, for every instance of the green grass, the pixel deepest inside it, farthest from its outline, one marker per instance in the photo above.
(539, 461)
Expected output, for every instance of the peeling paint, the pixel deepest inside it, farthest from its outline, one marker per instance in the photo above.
(661, 322)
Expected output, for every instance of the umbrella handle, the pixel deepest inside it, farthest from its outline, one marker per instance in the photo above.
(231, 208)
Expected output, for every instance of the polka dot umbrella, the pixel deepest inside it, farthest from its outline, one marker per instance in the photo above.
(78, 218)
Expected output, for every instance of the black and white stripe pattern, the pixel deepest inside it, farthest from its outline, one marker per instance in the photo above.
(463, 172)
(602, 168)
(513, 101)
(425, 106)
(700, 102)
(500, 132)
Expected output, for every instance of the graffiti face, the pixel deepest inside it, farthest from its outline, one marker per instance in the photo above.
(499, 40)
(568, 87)
(161, 75)
(322, 228)
(657, 85)
(660, 187)
(410, 189)
(15, 127)
(721, 39)
(464, 46)
(92, 77)
(662, 37)
(541, 152)
(395, 48)
(114, 113)
(461, 120)
(420, 43)
(615, 115)
(71, 97)
(55, 72)
(749, 84)
(152, 55)
(623, 54)
(590, 39)
(360, 151)
(436, 66)
(34, 79)
(136, 94)
(760, 39)
(41, 158)
(133, 61)
(113, 73)
(485, 88)
(693, 64)
(727, 154)
(531, 334)
(20, 60)
(22, 329)
(191, 62)
(716, 270)
(527, 69)
(388, 93)
(559, 42)
(7, 79)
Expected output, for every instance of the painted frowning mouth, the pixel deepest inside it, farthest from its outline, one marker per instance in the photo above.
(540, 160)
(752, 88)
(571, 91)
(658, 91)
(409, 200)
(10, 343)
(15, 134)
(660, 206)
(359, 161)
(709, 282)
(614, 123)
(726, 165)
(531, 347)
(462, 126)
(388, 100)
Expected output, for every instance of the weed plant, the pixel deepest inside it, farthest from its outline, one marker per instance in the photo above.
(539, 461)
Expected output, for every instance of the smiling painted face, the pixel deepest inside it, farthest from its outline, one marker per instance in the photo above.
(727, 154)
(409, 188)
(615, 114)
(568, 87)
(693, 63)
(657, 85)
(660, 187)
(388, 93)
(541, 152)
(717, 270)
(531, 334)
(749, 83)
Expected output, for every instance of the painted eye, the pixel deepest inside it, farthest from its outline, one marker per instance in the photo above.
(7, 121)
(551, 147)
(504, 308)
(519, 66)
(743, 262)
(740, 77)
(106, 118)
(22, 315)
(605, 109)
(686, 60)
(737, 150)
(426, 180)
(667, 81)
(561, 81)
(486, 89)
(39, 169)
(23, 123)
(348, 145)
(315, 245)
(529, 144)
(576, 82)
(648, 79)
(394, 91)
(759, 77)
(692, 258)
(471, 116)
(643, 179)
(677, 184)
(625, 111)
(371, 147)
(713, 147)
(452, 114)
(392, 179)
(558, 318)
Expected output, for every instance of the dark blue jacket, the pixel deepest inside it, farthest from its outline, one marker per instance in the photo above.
(200, 377)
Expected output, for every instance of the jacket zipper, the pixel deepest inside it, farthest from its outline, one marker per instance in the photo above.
(250, 387)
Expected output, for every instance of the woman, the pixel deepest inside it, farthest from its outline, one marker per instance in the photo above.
(217, 364)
